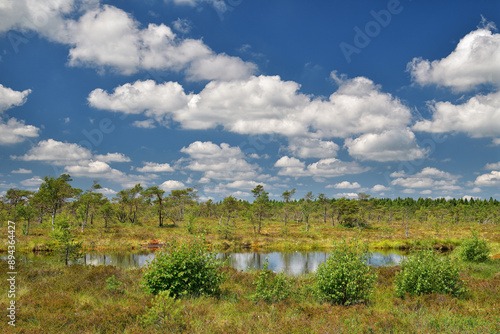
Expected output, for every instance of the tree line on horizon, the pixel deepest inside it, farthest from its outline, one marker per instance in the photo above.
(138, 204)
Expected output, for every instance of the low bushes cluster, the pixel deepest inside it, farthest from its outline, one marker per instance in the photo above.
(186, 269)
(474, 249)
(425, 272)
(345, 278)
(166, 313)
(271, 287)
(113, 284)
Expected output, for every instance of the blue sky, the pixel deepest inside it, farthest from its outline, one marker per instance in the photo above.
(391, 98)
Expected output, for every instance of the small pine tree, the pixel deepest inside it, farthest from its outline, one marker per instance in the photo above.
(67, 248)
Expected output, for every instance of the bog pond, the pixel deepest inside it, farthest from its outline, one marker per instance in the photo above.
(292, 263)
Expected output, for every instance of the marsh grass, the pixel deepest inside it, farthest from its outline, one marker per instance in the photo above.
(74, 299)
(57, 299)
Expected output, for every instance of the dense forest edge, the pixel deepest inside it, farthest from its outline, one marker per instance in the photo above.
(138, 217)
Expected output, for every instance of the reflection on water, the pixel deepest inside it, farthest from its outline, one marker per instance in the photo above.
(122, 260)
(294, 263)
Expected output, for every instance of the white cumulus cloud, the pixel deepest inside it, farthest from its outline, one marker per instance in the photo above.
(268, 105)
(153, 167)
(112, 157)
(475, 61)
(478, 117)
(429, 177)
(170, 185)
(33, 182)
(56, 152)
(105, 36)
(11, 98)
(345, 185)
(390, 145)
(14, 131)
(22, 171)
(491, 179)
(493, 166)
(218, 162)
(379, 188)
(312, 148)
(324, 168)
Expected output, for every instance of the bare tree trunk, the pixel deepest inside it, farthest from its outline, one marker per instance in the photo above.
(53, 217)
(160, 221)
(406, 224)
(260, 222)
(86, 215)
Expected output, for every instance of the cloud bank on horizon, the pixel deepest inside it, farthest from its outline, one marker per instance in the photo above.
(188, 101)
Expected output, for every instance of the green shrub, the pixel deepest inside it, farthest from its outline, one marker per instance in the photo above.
(67, 249)
(425, 272)
(271, 287)
(191, 223)
(113, 284)
(474, 249)
(166, 314)
(187, 269)
(345, 278)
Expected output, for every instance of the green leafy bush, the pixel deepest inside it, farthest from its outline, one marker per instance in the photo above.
(345, 278)
(474, 249)
(113, 284)
(426, 272)
(271, 287)
(187, 269)
(166, 314)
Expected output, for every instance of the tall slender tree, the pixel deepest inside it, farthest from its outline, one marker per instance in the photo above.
(54, 193)
(323, 202)
(155, 196)
(129, 200)
(260, 204)
(88, 201)
(307, 207)
(287, 195)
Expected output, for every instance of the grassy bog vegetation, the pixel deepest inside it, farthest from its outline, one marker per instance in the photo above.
(54, 298)
(186, 291)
